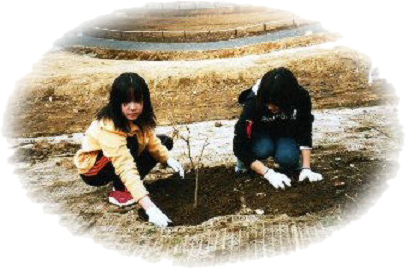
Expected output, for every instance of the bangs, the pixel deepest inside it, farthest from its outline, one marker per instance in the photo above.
(129, 87)
(278, 87)
(132, 95)
(276, 100)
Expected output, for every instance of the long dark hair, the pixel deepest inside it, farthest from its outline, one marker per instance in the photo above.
(128, 87)
(278, 86)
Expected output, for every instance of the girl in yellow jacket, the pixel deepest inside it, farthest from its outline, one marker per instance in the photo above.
(120, 146)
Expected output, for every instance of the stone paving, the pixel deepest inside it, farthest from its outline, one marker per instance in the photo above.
(88, 41)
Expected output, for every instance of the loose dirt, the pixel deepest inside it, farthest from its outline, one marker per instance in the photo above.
(64, 90)
(354, 149)
(222, 193)
(226, 226)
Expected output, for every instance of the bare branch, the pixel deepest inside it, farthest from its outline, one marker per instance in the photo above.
(199, 160)
(175, 124)
(205, 144)
(194, 166)
(187, 140)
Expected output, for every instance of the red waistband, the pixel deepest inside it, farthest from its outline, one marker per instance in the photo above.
(97, 166)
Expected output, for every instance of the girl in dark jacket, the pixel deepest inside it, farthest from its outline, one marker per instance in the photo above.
(276, 121)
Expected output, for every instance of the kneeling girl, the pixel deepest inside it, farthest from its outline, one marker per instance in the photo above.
(120, 146)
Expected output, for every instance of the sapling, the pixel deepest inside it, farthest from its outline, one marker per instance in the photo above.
(195, 164)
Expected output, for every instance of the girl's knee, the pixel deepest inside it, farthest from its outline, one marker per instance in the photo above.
(288, 159)
(94, 181)
(263, 149)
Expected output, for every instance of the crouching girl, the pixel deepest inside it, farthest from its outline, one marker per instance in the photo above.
(276, 122)
(120, 146)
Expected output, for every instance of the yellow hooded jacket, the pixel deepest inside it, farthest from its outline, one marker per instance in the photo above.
(102, 135)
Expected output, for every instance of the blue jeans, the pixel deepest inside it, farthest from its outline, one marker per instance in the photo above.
(284, 150)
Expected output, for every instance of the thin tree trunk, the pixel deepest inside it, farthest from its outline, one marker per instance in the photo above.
(196, 187)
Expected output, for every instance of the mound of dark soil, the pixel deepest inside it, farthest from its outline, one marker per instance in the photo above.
(349, 184)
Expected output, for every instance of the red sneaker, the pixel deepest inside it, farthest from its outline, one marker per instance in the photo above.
(121, 198)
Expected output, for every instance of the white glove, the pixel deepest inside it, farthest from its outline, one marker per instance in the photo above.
(308, 173)
(277, 179)
(156, 217)
(175, 165)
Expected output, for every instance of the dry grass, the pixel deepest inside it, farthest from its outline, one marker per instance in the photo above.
(190, 20)
(191, 25)
(65, 90)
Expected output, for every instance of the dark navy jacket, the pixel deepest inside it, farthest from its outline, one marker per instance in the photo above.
(295, 121)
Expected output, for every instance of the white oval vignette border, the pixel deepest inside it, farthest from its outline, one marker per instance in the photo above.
(30, 238)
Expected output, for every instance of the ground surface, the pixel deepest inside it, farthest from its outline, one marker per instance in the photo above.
(86, 41)
(64, 90)
(223, 193)
(192, 19)
(355, 150)
(356, 135)
(214, 24)
(121, 50)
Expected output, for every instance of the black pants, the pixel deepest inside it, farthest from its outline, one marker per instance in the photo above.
(145, 162)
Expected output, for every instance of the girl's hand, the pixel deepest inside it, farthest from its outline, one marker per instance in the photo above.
(156, 217)
(175, 165)
(276, 179)
(308, 173)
